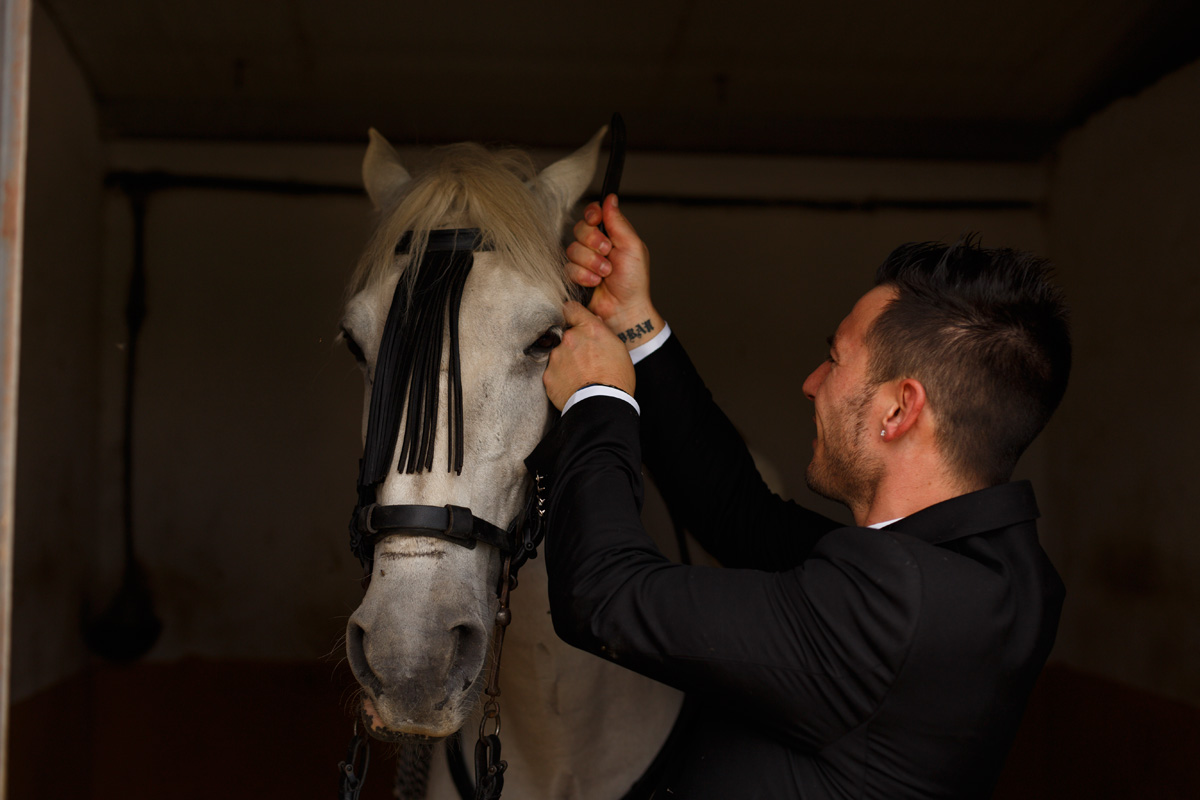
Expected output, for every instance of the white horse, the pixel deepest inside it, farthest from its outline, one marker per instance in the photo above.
(574, 726)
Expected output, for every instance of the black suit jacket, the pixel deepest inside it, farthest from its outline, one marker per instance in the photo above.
(824, 661)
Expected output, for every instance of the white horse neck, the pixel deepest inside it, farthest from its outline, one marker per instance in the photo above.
(573, 726)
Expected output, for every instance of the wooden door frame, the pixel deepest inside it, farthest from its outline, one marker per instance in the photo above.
(14, 105)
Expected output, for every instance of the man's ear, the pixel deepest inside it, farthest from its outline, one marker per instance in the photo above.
(907, 406)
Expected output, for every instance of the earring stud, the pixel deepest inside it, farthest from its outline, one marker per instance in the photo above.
(883, 432)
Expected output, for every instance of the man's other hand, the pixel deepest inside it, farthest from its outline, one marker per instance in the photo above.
(617, 268)
(589, 353)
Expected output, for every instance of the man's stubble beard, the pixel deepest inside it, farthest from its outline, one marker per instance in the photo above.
(845, 472)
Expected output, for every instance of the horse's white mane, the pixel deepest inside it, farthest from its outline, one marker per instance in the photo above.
(469, 186)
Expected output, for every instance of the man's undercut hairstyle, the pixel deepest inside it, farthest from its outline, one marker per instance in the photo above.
(986, 333)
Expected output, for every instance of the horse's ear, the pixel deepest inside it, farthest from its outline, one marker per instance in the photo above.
(383, 175)
(560, 185)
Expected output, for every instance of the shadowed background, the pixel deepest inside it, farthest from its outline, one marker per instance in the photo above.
(778, 151)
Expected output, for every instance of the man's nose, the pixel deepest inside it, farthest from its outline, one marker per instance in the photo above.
(815, 379)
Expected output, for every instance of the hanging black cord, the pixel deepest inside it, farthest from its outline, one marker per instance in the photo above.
(128, 626)
(135, 316)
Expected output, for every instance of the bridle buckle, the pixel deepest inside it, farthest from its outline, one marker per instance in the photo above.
(461, 523)
(365, 521)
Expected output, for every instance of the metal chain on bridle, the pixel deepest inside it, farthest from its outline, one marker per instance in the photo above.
(424, 306)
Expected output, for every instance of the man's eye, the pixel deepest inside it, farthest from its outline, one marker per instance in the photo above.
(546, 342)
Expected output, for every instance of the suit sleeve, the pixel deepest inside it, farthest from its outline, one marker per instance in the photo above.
(707, 475)
(809, 650)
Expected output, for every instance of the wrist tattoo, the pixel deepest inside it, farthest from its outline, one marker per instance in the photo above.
(636, 332)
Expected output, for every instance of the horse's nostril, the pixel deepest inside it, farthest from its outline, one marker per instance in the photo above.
(356, 653)
(468, 654)
(462, 635)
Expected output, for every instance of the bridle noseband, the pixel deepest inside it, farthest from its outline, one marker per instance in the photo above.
(454, 524)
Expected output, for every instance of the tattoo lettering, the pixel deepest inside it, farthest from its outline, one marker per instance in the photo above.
(636, 332)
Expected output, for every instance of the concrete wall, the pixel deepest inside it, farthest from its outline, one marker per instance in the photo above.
(1124, 227)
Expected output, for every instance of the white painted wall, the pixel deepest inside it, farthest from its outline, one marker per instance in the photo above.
(1124, 228)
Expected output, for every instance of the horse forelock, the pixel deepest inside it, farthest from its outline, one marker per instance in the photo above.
(468, 186)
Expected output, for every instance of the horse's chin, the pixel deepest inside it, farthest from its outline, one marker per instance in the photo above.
(390, 727)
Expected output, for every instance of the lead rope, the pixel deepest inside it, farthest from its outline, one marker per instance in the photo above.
(412, 771)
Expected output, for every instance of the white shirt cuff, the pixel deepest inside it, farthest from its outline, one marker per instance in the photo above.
(643, 350)
(596, 390)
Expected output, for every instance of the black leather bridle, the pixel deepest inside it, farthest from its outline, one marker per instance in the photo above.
(407, 378)
(407, 375)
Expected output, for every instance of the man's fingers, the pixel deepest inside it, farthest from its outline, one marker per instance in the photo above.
(592, 214)
(576, 314)
(591, 237)
(582, 277)
(589, 353)
(619, 229)
(587, 259)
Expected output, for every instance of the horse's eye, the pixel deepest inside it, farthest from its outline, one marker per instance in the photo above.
(545, 343)
(353, 347)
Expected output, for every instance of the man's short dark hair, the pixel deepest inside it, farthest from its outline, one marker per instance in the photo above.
(986, 334)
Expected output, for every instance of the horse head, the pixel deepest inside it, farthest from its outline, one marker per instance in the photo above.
(419, 642)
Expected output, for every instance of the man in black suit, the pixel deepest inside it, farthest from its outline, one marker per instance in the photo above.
(890, 659)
